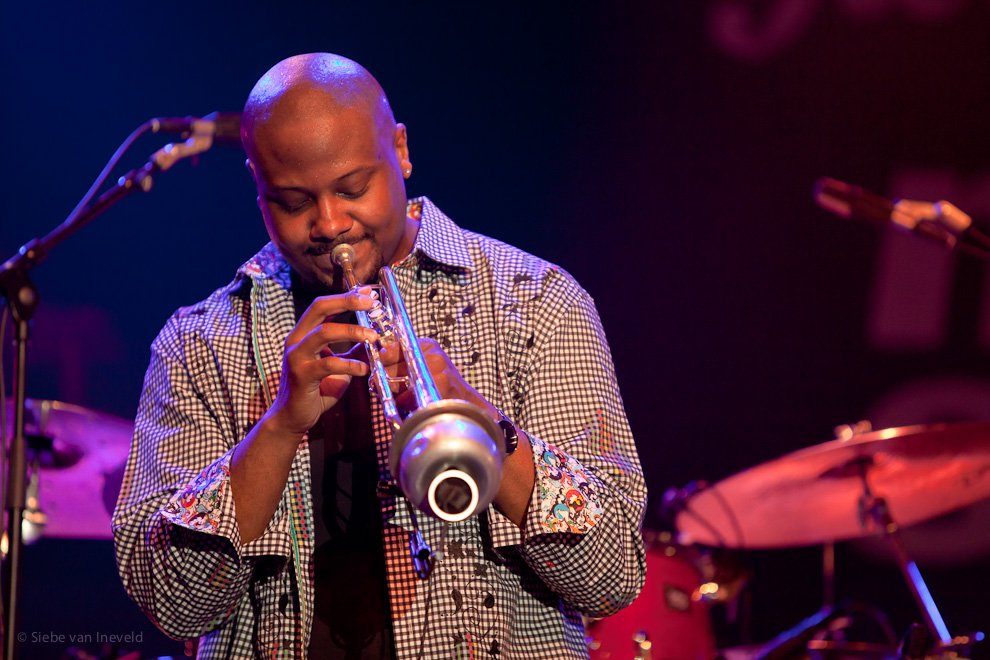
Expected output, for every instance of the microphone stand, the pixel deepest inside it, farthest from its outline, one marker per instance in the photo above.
(22, 298)
(939, 221)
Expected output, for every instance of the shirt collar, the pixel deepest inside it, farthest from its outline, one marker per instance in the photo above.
(268, 263)
(438, 237)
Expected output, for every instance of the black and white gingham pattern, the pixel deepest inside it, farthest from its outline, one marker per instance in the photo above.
(523, 333)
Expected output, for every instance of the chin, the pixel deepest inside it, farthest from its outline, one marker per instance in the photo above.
(370, 277)
(321, 282)
(368, 273)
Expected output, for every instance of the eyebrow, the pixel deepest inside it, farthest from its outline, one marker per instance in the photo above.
(355, 172)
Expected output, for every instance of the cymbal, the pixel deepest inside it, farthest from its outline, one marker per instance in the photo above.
(79, 448)
(812, 495)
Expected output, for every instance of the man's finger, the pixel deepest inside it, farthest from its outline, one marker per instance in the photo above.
(327, 308)
(332, 365)
(325, 334)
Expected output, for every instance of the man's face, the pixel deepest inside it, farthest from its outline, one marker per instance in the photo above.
(326, 178)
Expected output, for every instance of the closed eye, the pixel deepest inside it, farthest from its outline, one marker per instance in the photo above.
(289, 207)
(343, 194)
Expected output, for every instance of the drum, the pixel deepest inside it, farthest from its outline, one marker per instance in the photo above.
(669, 620)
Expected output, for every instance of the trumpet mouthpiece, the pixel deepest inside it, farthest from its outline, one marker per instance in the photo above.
(343, 255)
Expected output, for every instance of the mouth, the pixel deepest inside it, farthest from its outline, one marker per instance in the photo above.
(321, 252)
(321, 257)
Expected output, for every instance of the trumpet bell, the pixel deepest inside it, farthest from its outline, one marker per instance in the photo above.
(447, 459)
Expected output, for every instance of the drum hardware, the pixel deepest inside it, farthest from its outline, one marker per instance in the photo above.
(940, 643)
(33, 520)
(674, 504)
(812, 496)
(832, 626)
(823, 649)
(723, 576)
(914, 646)
(670, 619)
(828, 574)
(862, 483)
(918, 644)
(642, 646)
(73, 453)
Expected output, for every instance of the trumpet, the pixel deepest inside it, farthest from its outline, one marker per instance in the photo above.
(447, 454)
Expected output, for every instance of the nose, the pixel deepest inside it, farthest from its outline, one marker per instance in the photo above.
(331, 220)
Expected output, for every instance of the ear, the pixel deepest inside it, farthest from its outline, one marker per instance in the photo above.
(401, 144)
(254, 175)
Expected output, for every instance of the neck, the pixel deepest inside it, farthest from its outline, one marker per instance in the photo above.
(406, 242)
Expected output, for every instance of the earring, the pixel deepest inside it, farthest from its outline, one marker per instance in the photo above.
(407, 172)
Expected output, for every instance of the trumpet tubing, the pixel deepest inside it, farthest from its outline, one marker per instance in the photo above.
(446, 455)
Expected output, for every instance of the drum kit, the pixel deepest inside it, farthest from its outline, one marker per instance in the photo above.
(76, 460)
(863, 483)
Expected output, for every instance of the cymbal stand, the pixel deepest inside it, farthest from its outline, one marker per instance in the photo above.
(874, 507)
(828, 574)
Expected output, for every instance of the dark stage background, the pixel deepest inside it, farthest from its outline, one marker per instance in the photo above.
(664, 153)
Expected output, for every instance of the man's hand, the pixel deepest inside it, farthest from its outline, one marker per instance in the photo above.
(447, 378)
(313, 377)
(313, 380)
(518, 471)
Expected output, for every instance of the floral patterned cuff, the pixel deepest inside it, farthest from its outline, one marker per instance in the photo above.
(568, 498)
(201, 505)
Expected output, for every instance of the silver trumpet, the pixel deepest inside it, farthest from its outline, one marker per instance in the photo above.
(446, 455)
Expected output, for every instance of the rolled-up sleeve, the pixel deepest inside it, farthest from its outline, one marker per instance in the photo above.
(583, 528)
(176, 539)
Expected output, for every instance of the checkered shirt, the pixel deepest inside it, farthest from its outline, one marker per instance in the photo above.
(524, 334)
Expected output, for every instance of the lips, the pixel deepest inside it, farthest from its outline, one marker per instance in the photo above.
(321, 253)
(364, 272)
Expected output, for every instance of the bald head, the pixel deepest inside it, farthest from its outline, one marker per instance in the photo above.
(304, 85)
(330, 165)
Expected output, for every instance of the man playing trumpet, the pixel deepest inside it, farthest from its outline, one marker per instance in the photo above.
(256, 512)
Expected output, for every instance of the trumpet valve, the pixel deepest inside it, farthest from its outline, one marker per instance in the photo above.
(381, 322)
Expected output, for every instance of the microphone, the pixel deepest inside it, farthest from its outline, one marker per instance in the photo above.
(940, 221)
(223, 127)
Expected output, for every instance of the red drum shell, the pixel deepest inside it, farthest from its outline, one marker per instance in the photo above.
(668, 610)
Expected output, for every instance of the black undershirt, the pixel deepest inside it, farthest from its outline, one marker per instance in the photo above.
(351, 613)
